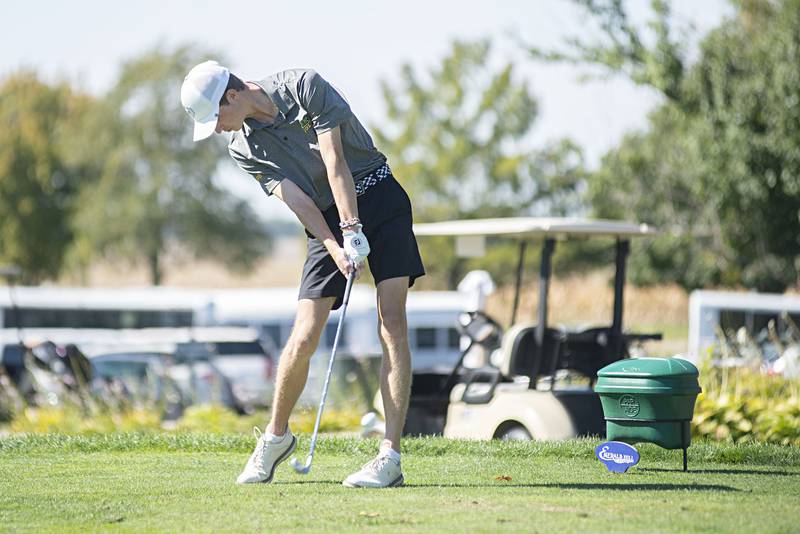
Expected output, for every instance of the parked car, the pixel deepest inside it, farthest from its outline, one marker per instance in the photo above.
(12, 358)
(244, 362)
(144, 376)
(200, 379)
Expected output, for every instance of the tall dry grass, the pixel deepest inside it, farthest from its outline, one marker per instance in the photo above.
(577, 299)
(589, 299)
(280, 269)
(580, 299)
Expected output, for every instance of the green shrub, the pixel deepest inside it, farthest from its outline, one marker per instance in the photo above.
(332, 421)
(71, 420)
(742, 404)
(219, 420)
(209, 418)
(10, 401)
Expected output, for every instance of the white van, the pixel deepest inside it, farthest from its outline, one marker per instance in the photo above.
(432, 319)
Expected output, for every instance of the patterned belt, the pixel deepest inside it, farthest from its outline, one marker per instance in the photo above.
(372, 178)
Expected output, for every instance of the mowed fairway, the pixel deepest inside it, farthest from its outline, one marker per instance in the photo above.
(180, 483)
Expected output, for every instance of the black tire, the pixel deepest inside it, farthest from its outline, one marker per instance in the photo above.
(515, 433)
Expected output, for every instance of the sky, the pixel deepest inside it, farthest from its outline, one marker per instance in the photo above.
(353, 44)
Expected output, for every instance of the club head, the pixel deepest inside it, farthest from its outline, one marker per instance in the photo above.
(303, 469)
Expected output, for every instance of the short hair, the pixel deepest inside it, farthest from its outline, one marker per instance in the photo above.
(233, 83)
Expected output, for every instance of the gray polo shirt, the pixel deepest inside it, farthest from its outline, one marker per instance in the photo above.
(288, 149)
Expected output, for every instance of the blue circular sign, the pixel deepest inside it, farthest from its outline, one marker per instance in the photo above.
(617, 456)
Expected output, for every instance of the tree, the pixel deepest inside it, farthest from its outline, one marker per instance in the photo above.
(457, 136)
(623, 49)
(38, 176)
(719, 165)
(155, 191)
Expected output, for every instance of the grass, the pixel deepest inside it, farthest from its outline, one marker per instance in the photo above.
(184, 482)
(588, 298)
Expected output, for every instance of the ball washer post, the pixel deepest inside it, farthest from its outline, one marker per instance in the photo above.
(304, 469)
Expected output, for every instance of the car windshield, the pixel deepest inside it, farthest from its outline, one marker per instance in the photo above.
(239, 348)
(13, 355)
(121, 369)
(204, 351)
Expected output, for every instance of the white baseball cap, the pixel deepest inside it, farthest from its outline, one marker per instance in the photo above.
(201, 92)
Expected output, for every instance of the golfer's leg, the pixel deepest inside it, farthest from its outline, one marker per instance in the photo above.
(396, 364)
(312, 314)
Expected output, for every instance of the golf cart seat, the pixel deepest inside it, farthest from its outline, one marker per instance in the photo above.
(519, 354)
(587, 351)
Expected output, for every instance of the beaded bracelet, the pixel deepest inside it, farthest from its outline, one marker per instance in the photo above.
(355, 221)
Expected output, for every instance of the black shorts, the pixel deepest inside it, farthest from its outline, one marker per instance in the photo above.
(385, 212)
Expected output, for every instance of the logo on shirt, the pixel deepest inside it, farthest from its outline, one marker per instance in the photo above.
(305, 124)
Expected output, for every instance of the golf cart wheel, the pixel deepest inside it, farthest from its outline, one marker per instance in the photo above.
(515, 433)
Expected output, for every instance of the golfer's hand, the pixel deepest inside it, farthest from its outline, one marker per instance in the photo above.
(356, 246)
(344, 264)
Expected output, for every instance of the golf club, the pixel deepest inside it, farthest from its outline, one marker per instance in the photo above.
(303, 469)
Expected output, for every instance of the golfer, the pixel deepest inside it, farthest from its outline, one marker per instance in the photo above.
(297, 136)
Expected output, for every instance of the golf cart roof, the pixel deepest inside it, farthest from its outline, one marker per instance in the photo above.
(535, 227)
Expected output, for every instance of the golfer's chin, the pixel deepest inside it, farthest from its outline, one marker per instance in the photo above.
(228, 129)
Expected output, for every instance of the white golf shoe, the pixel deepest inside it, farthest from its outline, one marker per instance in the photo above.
(266, 457)
(381, 472)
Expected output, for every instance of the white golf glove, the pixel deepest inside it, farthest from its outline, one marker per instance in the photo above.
(355, 246)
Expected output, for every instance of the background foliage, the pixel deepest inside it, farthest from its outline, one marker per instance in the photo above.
(457, 137)
(718, 166)
(155, 190)
(739, 405)
(116, 176)
(39, 178)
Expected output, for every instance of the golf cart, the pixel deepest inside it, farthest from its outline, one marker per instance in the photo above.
(517, 394)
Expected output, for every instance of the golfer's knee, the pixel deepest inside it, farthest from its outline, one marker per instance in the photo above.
(302, 345)
(394, 327)
(393, 321)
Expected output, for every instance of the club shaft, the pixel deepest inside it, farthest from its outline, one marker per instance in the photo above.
(330, 369)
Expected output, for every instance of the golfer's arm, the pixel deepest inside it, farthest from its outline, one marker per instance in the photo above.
(339, 177)
(307, 212)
